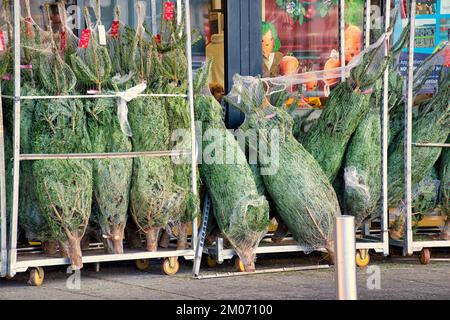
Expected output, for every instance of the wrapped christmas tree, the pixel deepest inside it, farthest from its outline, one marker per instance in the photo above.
(112, 177)
(154, 197)
(63, 187)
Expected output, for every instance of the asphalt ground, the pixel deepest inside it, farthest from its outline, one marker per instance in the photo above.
(385, 278)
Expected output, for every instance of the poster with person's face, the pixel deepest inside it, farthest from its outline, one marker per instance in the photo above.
(303, 36)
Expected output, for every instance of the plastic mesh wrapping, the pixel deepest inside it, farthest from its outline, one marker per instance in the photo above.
(63, 187)
(155, 198)
(301, 192)
(241, 212)
(430, 125)
(362, 166)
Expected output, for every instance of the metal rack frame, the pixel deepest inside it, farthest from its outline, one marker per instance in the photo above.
(3, 220)
(379, 244)
(14, 262)
(409, 245)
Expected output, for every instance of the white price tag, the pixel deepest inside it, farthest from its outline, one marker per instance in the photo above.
(102, 35)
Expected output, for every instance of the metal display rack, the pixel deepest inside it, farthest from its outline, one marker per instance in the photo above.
(409, 245)
(380, 242)
(3, 223)
(19, 260)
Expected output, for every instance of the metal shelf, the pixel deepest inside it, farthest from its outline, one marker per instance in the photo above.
(12, 259)
(410, 245)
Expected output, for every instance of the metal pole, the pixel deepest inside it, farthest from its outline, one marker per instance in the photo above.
(367, 21)
(16, 168)
(153, 12)
(3, 220)
(408, 131)
(385, 141)
(342, 36)
(345, 253)
(192, 114)
(202, 235)
(366, 227)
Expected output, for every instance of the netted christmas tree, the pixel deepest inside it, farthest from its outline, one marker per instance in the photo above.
(363, 166)
(241, 212)
(155, 198)
(112, 177)
(63, 187)
(173, 69)
(302, 193)
(432, 126)
(348, 103)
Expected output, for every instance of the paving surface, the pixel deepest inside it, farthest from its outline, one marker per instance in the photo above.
(399, 278)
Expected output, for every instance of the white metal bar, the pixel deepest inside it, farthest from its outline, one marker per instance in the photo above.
(432, 145)
(419, 245)
(3, 220)
(42, 261)
(385, 140)
(16, 167)
(118, 155)
(202, 235)
(342, 36)
(267, 249)
(98, 96)
(408, 131)
(367, 22)
(153, 12)
(370, 245)
(275, 270)
(190, 97)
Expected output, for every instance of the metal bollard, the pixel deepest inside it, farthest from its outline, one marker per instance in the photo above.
(345, 253)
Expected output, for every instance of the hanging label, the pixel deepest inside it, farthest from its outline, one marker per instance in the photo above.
(85, 38)
(2, 42)
(157, 39)
(29, 30)
(169, 10)
(102, 35)
(62, 41)
(115, 29)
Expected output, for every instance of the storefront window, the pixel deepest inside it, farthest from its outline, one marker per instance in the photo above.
(307, 31)
(303, 36)
(207, 19)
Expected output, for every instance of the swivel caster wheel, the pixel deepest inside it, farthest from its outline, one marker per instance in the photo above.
(425, 256)
(142, 264)
(362, 258)
(326, 257)
(211, 262)
(239, 265)
(36, 277)
(171, 266)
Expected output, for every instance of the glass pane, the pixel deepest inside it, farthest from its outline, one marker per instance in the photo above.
(207, 19)
(303, 36)
(308, 31)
